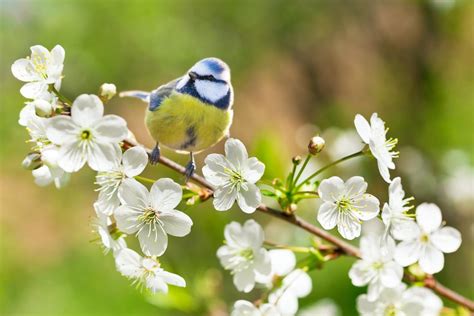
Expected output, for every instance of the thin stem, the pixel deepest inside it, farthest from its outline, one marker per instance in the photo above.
(59, 95)
(341, 246)
(332, 164)
(292, 248)
(305, 163)
(145, 180)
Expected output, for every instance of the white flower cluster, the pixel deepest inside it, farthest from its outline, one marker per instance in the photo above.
(251, 264)
(68, 135)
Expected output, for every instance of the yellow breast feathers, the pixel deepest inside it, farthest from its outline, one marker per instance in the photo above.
(186, 124)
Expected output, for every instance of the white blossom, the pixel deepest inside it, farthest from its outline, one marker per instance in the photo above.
(87, 135)
(394, 212)
(234, 177)
(392, 301)
(50, 172)
(146, 271)
(39, 70)
(346, 205)
(426, 240)
(152, 214)
(377, 267)
(297, 284)
(243, 254)
(323, 307)
(110, 237)
(432, 304)
(245, 308)
(294, 283)
(374, 135)
(128, 165)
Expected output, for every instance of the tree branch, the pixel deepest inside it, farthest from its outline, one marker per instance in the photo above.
(341, 245)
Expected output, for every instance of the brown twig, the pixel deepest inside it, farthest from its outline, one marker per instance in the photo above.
(341, 245)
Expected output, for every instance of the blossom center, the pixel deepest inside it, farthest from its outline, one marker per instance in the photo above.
(424, 238)
(247, 254)
(86, 135)
(149, 216)
(39, 62)
(235, 177)
(344, 205)
(390, 310)
(377, 265)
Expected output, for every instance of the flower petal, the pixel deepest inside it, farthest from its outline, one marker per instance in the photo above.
(103, 156)
(176, 223)
(128, 263)
(110, 128)
(57, 55)
(31, 90)
(61, 129)
(283, 261)
(408, 252)
(236, 153)
(214, 170)
(253, 170)
(348, 226)
(249, 199)
(391, 274)
(172, 278)
(431, 260)
(153, 240)
(23, 70)
(42, 176)
(298, 283)
(134, 161)
(165, 194)
(367, 207)
(355, 186)
(156, 284)
(363, 128)
(133, 194)
(330, 189)
(428, 216)
(361, 273)
(328, 215)
(447, 239)
(86, 110)
(127, 219)
(253, 234)
(262, 263)
(71, 157)
(384, 172)
(224, 198)
(244, 280)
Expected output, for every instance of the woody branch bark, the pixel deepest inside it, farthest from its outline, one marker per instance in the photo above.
(341, 245)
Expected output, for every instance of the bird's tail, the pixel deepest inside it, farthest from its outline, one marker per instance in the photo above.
(142, 95)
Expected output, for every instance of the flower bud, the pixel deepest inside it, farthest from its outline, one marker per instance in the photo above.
(296, 160)
(107, 91)
(32, 161)
(316, 145)
(42, 107)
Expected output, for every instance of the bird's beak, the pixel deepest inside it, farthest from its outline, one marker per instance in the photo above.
(193, 75)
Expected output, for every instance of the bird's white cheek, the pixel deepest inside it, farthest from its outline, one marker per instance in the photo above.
(211, 91)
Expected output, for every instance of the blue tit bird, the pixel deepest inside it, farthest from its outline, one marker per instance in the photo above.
(190, 113)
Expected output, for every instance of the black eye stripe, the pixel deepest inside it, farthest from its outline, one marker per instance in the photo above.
(210, 78)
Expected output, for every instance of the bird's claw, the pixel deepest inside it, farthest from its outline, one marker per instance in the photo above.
(155, 155)
(190, 168)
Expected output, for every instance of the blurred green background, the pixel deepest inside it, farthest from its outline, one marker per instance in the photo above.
(299, 68)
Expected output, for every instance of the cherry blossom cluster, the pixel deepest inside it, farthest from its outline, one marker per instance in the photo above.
(65, 136)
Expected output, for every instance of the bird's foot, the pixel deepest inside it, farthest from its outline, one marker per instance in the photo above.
(155, 155)
(190, 168)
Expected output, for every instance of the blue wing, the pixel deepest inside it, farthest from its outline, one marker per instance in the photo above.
(162, 92)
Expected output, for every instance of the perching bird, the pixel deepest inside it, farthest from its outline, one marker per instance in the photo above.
(190, 113)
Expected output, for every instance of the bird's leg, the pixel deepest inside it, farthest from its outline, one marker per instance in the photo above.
(190, 167)
(155, 154)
